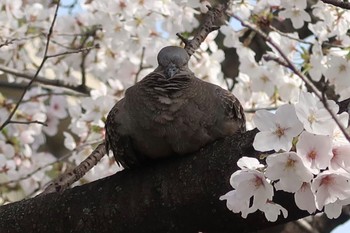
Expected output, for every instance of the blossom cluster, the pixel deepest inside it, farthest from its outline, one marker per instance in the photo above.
(310, 160)
(310, 153)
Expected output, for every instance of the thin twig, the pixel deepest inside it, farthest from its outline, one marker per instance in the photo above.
(27, 122)
(269, 57)
(60, 44)
(17, 86)
(67, 179)
(64, 157)
(208, 26)
(7, 42)
(82, 67)
(8, 120)
(253, 110)
(303, 41)
(71, 34)
(91, 32)
(43, 80)
(80, 50)
(141, 67)
(290, 37)
(52, 94)
(11, 41)
(337, 3)
(289, 64)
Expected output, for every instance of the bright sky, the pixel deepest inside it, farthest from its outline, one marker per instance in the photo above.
(345, 228)
(63, 11)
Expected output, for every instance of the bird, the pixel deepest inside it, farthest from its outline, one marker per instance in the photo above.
(170, 112)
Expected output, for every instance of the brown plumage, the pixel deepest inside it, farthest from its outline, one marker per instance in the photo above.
(170, 112)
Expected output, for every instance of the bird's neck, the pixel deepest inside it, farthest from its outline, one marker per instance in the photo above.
(158, 83)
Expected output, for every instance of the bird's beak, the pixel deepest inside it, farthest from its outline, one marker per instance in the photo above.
(171, 70)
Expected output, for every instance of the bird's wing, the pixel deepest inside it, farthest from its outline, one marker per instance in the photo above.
(233, 108)
(120, 145)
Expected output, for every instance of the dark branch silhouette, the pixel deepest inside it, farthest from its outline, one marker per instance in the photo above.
(337, 3)
(174, 195)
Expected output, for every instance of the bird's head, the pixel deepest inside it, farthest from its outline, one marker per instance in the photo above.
(172, 59)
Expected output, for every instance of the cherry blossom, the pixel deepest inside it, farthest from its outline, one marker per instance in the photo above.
(251, 185)
(236, 204)
(328, 15)
(297, 3)
(340, 160)
(298, 16)
(263, 4)
(57, 107)
(263, 80)
(337, 73)
(249, 163)
(248, 184)
(289, 89)
(317, 63)
(69, 141)
(273, 210)
(231, 36)
(338, 136)
(242, 89)
(288, 170)
(333, 210)
(305, 199)
(97, 106)
(242, 8)
(52, 124)
(14, 8)
(247, 65)
(312, 113)
(315, 151)
(6, 164)
(276, 130)
(285, 43)
(329, 187)
(7, 150)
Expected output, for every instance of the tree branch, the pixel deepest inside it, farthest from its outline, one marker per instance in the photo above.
(80, 50)
(10, 41)
(289, 64)
(173, 195)
(67, 179)
(337, 3)
(141, 66)
(213, 15)
(43, 80)
(27, 122)
(12, 113)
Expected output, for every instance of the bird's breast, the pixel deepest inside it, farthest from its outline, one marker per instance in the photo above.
(165, 100)
(168, 108)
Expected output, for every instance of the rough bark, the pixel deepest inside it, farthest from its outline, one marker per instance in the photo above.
(176, 195)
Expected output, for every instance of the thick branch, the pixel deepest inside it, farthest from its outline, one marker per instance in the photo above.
(213, 15)
(176, 195)
(337, 3)
(45, 81)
